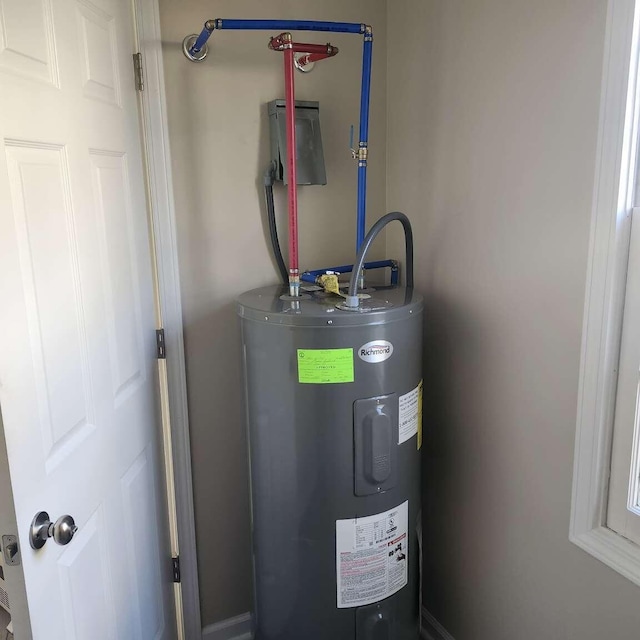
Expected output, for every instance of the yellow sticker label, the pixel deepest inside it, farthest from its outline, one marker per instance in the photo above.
(325, 366)
(420, 415)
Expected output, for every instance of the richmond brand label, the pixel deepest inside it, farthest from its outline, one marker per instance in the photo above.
(375, 351)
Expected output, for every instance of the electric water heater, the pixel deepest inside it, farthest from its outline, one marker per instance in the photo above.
(334, 409)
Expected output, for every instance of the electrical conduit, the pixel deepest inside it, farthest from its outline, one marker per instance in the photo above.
(273, 226)
(353, 301)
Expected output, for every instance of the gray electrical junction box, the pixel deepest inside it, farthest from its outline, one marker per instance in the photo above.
(309, 154)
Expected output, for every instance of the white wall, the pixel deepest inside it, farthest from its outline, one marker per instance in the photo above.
(493, 117)
(219, 140)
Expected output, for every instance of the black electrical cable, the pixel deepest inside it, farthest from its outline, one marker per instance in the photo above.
(371, 236)
(273, 228)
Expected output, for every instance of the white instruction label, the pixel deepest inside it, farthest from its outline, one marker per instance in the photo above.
(372, 557)
(409, 415)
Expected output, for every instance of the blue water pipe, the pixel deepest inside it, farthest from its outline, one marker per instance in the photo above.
(194, 52)
(288, 25)
(363, 151)
(272, 25)
(311, 276)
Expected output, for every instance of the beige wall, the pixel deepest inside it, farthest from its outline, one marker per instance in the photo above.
(219, 141)
(493, 117)
(492, 124)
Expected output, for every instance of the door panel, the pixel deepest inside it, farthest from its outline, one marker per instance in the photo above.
(78, 378)
(84, 579)
(98, 46)
(27, 44)
(118, 263)
(142, 553)
(38, 172)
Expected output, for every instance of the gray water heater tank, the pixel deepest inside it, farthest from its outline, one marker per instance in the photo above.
(334, 411)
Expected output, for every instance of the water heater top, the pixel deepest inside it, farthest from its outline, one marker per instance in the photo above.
(320, 309)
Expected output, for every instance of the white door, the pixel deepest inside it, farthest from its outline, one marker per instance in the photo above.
(78, 374)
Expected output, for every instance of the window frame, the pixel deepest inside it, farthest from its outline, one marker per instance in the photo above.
(622, 508)
(604, 295)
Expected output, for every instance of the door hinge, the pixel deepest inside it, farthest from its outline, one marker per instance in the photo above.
(160, 346)
(175, 565)
(138, 72)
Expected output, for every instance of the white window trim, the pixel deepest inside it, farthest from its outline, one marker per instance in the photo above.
(606, 274)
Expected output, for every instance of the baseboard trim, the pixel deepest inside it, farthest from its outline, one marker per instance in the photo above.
(432, 629)
(238, 628)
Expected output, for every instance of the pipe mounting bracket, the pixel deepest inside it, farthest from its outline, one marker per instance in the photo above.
(187, 49)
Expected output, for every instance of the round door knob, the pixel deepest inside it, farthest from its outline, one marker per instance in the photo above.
(62, 530)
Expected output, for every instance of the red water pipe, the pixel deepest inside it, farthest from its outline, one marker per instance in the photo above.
(284, 41)
(314, 52)
(309, 58)
(327, 49)
(292, 188)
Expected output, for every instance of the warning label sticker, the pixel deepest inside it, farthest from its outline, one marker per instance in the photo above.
(325, 366)
(410, 414)
(372, 557)
(420, 417)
